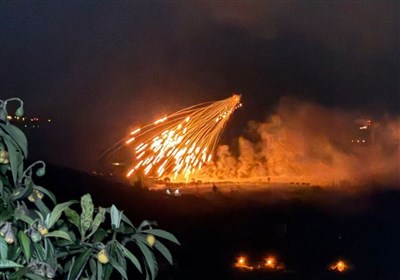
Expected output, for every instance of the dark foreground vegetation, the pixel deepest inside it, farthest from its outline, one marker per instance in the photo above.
(306, 229)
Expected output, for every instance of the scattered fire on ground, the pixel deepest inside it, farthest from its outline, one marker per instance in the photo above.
(271, 263)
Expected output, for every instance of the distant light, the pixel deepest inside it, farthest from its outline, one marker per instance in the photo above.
(49, 120)
(363, 141)
(363, 127)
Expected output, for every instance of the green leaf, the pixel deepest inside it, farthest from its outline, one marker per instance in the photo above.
(68, 267)
(50, 251)
(46, 192)
(57, 211)
(130, 256)
(107, 270)
(25, 244)
(147, 223)
(99, 235)
(16, 159)
(149, 257)
(14, 251)
(98, 219)
(19, 273)
(127, 221)
(60, 234)
(20, 192)
(163, 234)
(5, 215)
(40, 252)
(3, 249)
(20, 216)
(116, 217)
(79, 264)
(99, 271)
(73, 217)
(87, 213)
(42, 207)
(118, 267)
(34, 277)
(125, 229)
(17, 136)
(93, 269)
(9, 264)
(164, 251)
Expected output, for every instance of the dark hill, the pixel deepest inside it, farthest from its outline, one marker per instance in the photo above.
(307, 231)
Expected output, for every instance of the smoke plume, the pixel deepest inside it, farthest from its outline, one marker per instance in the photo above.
(305, 142)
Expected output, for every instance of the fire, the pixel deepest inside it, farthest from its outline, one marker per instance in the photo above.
(241, 262)
(270, 262)
(340, 266)
(181, 143)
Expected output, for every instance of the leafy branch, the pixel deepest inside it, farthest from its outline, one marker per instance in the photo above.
(42, 239)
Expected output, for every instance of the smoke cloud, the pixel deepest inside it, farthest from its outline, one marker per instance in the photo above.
(306, 142)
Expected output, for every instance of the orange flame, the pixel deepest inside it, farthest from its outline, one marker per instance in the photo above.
(340, 266)
(241, 262)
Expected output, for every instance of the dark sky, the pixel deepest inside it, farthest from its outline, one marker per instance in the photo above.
(97, 67)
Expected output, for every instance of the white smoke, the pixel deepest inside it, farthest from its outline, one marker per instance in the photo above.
(305, 142)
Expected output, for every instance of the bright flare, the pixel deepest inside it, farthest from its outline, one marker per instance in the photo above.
(182, 142)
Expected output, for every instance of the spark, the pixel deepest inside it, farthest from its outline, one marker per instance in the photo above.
(135, 131)
(178, 144)
(130, 172)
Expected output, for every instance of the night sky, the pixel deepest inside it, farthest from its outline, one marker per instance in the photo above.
(98, 67)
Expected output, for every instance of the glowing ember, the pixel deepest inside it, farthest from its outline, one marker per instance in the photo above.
(271, 263)
(340, 266)
(241, 262)
(181, 143)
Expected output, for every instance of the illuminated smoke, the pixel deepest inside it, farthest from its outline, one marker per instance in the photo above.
(305, 142)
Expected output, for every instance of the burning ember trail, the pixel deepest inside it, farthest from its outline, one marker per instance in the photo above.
(182, 142)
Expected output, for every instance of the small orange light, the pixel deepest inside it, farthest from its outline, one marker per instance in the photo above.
(241, 262)
(270, 262)
(340, 266)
